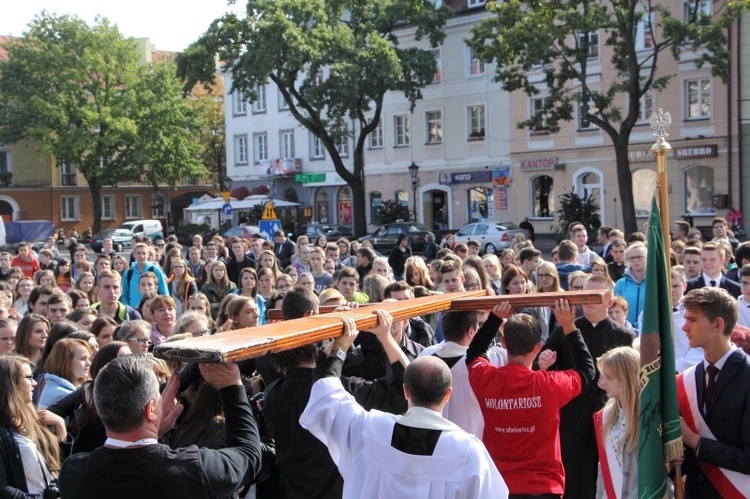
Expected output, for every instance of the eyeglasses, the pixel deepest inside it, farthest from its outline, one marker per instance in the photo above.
(142, 341)
(576, 288)
(544, 276)
(636, 258)
(204, 332)
(178, 266)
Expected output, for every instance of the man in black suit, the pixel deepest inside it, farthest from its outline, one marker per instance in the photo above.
(712, 260)
(714, 398)
(284, 249)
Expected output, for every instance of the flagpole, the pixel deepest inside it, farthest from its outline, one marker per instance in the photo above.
(660, 121)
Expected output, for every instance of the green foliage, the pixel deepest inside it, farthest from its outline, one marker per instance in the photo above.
(574, 208)
(391, 211)
(332, 61)
(78, 89)
(538, 46)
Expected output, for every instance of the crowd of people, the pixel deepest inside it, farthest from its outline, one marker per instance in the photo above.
(528, 402)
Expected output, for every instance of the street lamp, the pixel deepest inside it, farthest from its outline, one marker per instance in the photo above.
(414, 172)
(227, 183)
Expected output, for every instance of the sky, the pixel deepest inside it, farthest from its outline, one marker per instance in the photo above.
(170, 24)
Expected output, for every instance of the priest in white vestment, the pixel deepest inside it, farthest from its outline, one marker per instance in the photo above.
(380, 455)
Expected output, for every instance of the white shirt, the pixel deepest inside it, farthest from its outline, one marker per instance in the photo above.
(716, 279)
(32, 465)
(586, 256)
(463, 407)
(360, 444)
(744, 308)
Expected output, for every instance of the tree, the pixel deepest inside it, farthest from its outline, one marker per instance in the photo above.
(332, 61)
(551, 38)
(210, 105)
(79, 91)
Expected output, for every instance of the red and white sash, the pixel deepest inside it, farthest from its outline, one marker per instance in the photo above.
(611, 470)
(729, 484)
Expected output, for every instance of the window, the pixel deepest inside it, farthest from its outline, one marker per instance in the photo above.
(240, 106)
(476, 3)
(5, 162)
(343, 147)
(402, 198)
(376, 136)
(438, 54)
(133, 206)
(69, 207)
(589, 182)
(478, 206)
(401, 130)
(646, 107)
(543, 199)
(592, 39)
(344, 205)
(283, 105)
(287, 144)
(260, 147)
(317, 151)
(697, 12)
(537, 111)
(321, 205)
(476, 122)
(584, 123)
(698, 93)
(476, 67)
(158, 204)
(108, 207)
(644, 36)
(699, 190)
(259, 105)
(434, 127)
(240, 150)
(68, 173)
(645, 179)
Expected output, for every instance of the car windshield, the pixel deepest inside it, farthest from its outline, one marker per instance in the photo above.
(506, 225)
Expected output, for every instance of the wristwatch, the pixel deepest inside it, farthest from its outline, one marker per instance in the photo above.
(339, 353)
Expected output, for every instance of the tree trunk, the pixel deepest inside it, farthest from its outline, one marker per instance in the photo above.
(96, 202)
(359, 204)
(625, 182)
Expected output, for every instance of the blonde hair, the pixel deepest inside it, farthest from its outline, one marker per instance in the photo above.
(623, 364)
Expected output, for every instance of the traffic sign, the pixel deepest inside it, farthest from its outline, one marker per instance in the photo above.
(268, 227)
(269, 213)
(225, 196)
(226, 209)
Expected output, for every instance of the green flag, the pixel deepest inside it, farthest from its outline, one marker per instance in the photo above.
(659, 436)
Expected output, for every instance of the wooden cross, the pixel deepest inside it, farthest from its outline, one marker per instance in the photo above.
(241, 344)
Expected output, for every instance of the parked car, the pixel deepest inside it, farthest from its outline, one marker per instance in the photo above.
(243, 231)
(121, 238)
(332, 232)
(144, 228)
(492, 236)
(384, 239)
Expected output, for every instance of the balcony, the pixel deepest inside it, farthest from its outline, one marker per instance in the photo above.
(6, 179)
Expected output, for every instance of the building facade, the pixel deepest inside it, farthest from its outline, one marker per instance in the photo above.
(472, 157)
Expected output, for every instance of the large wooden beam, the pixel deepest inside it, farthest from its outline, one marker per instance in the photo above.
(253, 342)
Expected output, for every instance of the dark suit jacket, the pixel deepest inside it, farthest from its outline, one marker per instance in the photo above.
(288, 248)
(731, 286)
(728, 416)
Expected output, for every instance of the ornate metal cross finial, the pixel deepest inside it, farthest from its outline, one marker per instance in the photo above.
(660, 122)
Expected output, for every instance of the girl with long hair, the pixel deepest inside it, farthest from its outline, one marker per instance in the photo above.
(515, 282)
(31, 336)
(249, 287)
(616, 426)
(23, 290)
(398, 256)
(199, 303)
(63, 274)
(266, 282)
(218, 286)
(547, 278)
(180, 283)
(45, 278)
(85, 282)
(494, 271)
(268, 260)
(417, 274)
(29, 451)
(243, 311)
(66, 369)
(136, 334)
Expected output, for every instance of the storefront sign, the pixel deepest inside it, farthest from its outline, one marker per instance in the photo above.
(538, 164)
(694, 152)
(687, 152)
(501, 184)
(466, 177)
(307, 178)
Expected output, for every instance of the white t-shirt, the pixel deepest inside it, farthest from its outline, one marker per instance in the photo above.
(33, 464)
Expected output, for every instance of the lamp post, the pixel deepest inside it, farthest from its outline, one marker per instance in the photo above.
(227, 183)
(414, 172)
